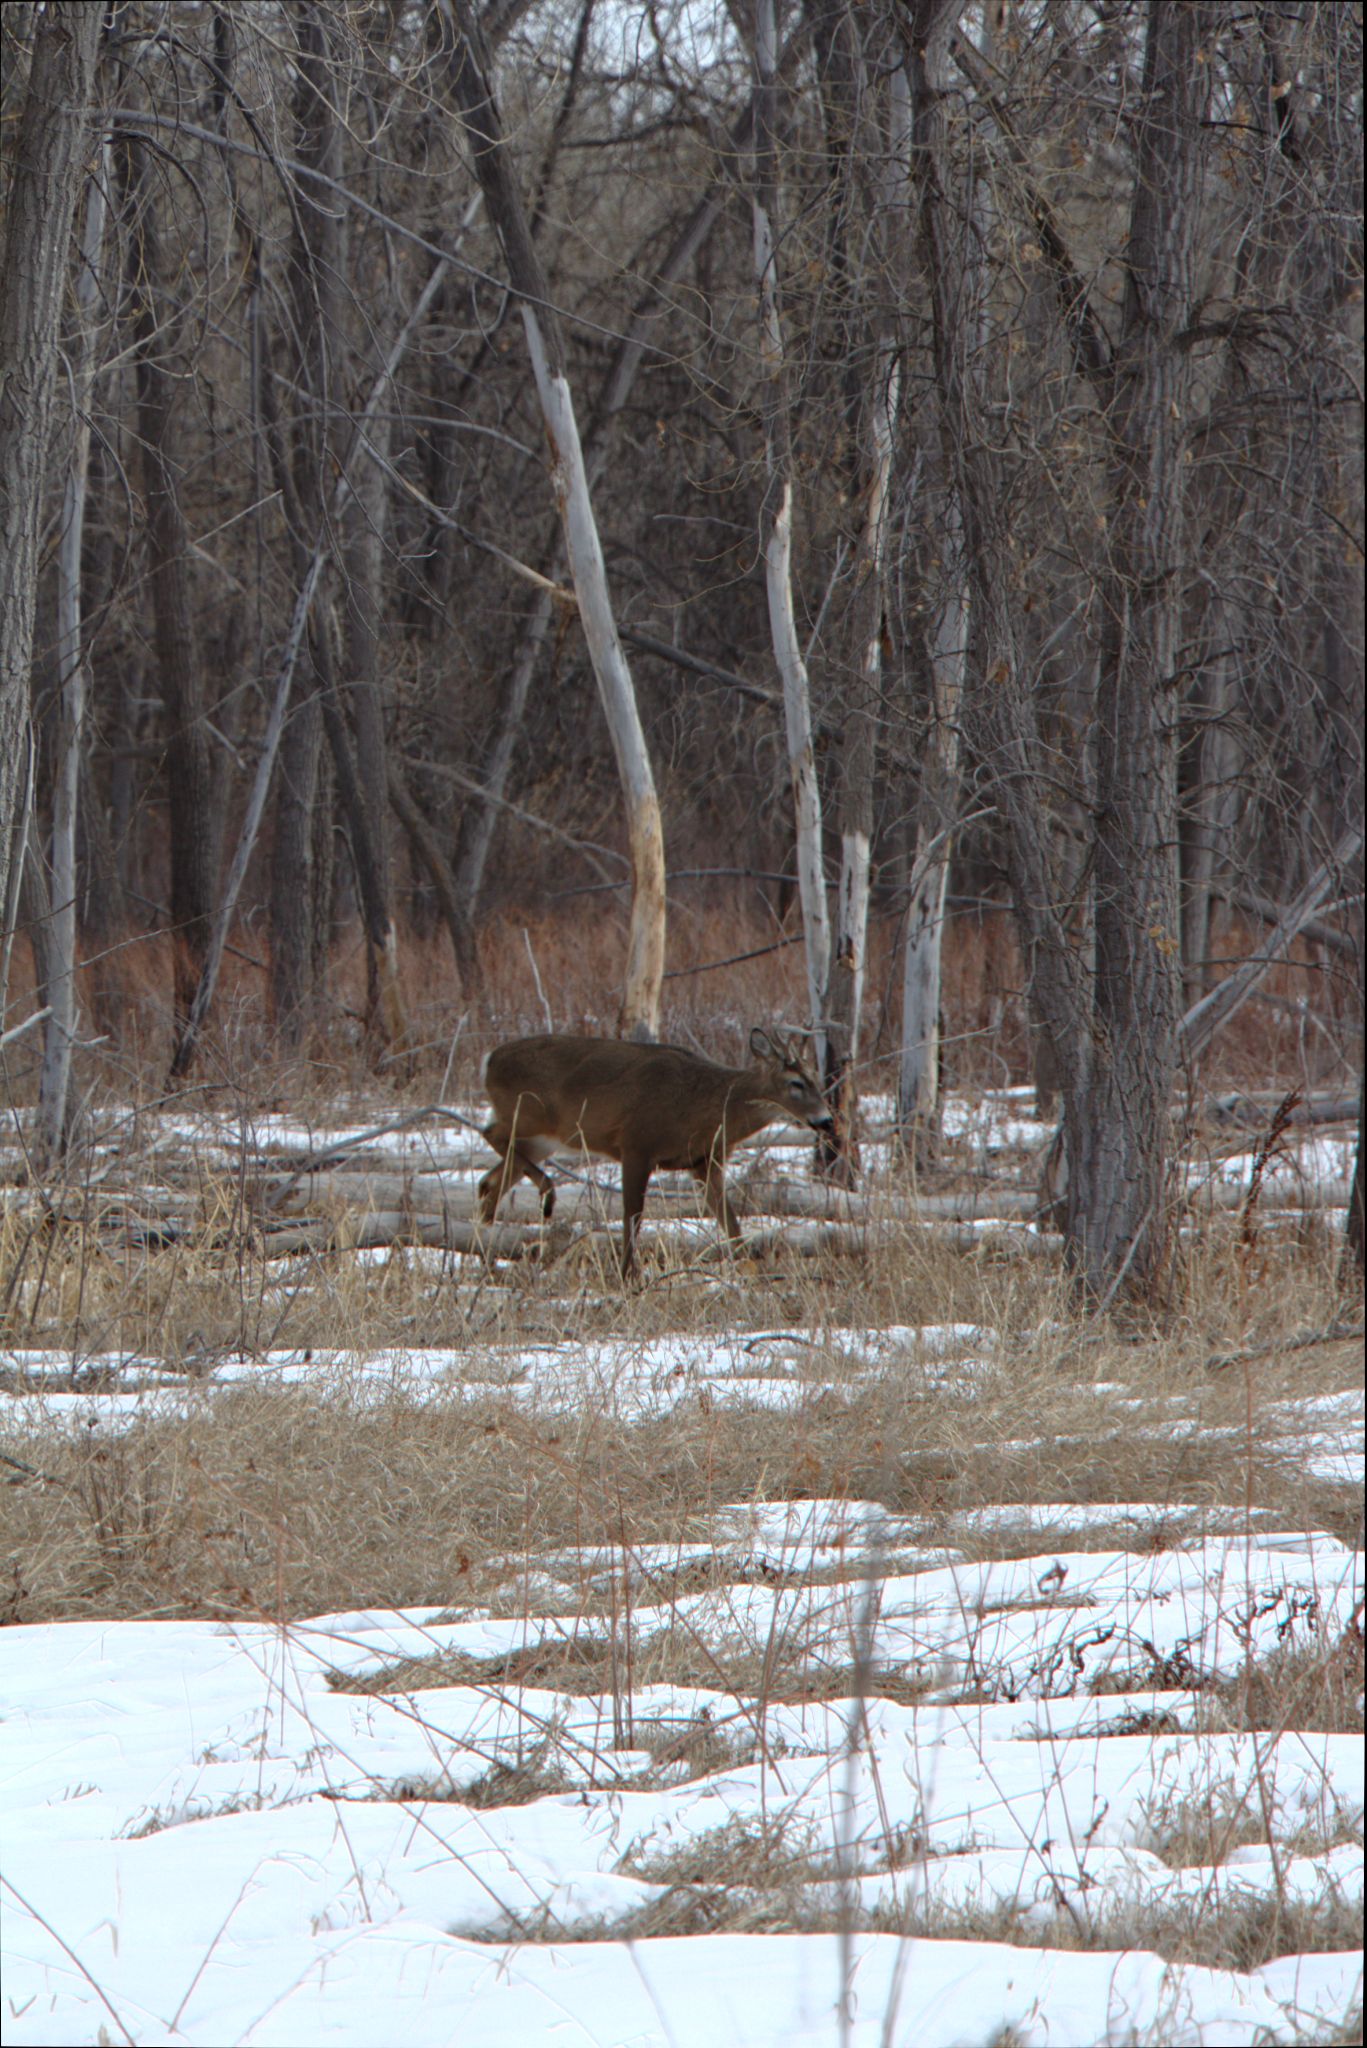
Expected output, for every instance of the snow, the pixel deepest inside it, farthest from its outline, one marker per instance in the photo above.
(207, 1841)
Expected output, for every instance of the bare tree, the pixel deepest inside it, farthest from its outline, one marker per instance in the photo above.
(640, 1014)
(1116, 1026)
(1098, 551)
(776, 528)
(45, 184)
(318, 272)
(160, 317)
(73, 690)
(480, 815)
(867, 376)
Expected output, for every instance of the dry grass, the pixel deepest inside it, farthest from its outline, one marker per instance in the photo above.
(265, 1500)
(732, 964)
(270, 1500)
(756, 1877)
(1238, 1934)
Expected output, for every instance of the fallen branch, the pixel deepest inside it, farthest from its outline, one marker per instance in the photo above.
(1252, 1108)
(389, 1229)
(1215, 1010)
(346, 1146)
(1304, 1340)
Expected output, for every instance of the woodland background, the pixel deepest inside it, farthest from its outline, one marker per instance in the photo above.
(504, 505)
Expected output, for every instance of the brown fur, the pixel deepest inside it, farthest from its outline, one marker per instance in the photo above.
(646, 1106)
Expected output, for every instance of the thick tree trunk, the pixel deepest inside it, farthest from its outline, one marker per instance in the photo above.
(640, 1013)
(1113, 1021)
(45, 182)
(1353, 1236)
(1117, 1183)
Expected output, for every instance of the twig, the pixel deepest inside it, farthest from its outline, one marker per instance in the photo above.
(32, 1472)
(70, 1952)
(18, 1030)
(536, 977)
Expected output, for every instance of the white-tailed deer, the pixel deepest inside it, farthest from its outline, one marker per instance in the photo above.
(645, 1106)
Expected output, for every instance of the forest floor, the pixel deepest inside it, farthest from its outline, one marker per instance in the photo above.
(845, 1642)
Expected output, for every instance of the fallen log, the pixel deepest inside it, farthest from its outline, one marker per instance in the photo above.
(380, 1229)
(1251, 1108)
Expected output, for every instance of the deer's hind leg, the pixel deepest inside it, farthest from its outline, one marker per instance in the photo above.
(518, 1156)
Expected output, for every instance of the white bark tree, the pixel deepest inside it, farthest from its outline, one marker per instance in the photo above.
(776, 531)
(918, 1074)
(472, 84)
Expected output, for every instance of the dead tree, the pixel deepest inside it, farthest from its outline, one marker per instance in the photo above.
(494, 169)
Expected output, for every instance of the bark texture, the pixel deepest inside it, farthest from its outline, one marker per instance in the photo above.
(45, 184)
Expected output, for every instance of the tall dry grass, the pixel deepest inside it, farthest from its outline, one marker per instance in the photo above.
(732, 963)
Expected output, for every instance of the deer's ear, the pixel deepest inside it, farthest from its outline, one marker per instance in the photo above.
(762, 1045)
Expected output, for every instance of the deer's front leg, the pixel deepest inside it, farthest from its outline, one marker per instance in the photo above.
(635, 1179)
(711, 1174)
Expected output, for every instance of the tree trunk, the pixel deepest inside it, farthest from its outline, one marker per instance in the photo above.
(73, 687)
(776, 534)
(1207, 813)
(1114, 1027)
(480, 815)
(318, 272)
(386, 1023)
(866, 370)
(1117, 1224)
(1353, 1254)
(191, 789)
(45, 181)
(918, 1081)
(640, 1014)
(293, 895)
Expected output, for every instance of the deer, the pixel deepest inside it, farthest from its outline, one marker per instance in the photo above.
(646, 1106)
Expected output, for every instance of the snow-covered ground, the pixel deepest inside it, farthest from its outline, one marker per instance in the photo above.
(205, 1840)
(935, 1779)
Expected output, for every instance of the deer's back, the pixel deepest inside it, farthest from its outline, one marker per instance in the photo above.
(660, 1100)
